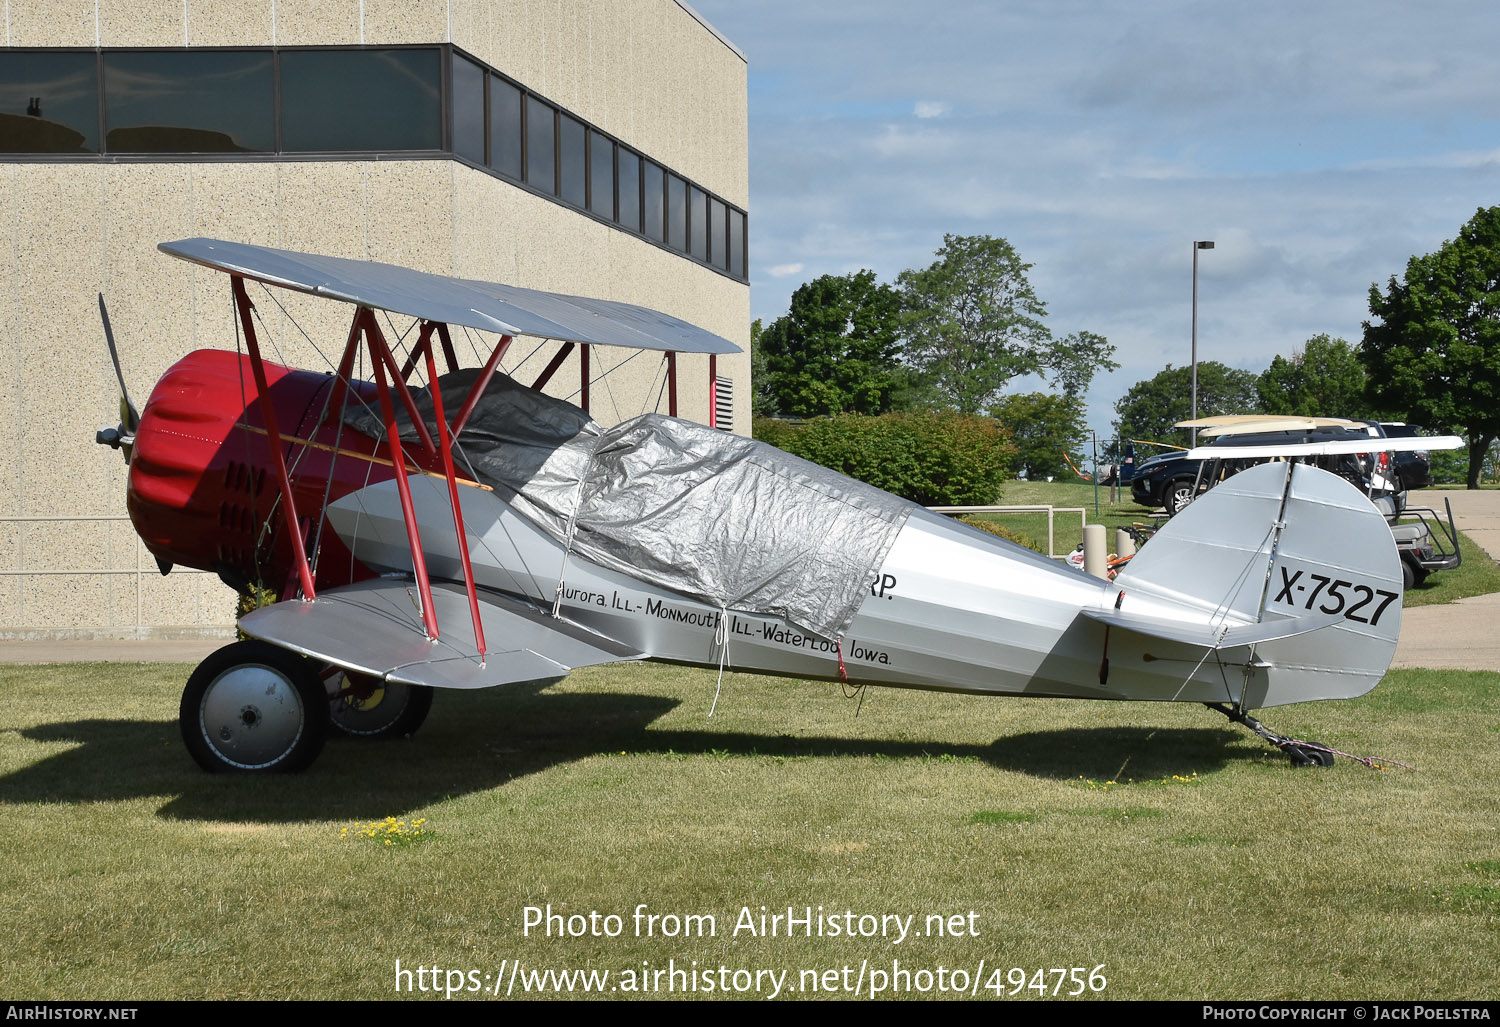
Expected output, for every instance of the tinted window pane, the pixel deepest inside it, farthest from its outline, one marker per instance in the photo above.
(601, 176)
(572, 172)
(676, 213)
(468, 109)
(339, 100)
(653, 214)
(49, 103)
(718, 238)
(736, 244)
(188, 102)
(630, 190)
(505, 127)
(698, 223)
(541, 160)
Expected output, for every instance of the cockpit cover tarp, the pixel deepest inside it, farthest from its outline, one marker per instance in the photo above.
(733, 522)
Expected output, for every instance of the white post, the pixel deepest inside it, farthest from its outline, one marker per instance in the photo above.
(1095, 556)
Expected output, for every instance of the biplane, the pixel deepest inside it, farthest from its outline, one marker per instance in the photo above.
(427, 530)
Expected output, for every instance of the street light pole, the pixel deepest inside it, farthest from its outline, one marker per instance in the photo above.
(1205, 244)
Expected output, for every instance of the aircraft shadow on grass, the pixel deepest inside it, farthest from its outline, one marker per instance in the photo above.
(471, 745)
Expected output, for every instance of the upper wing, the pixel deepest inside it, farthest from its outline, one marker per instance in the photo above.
(487, 306)
(374, 627)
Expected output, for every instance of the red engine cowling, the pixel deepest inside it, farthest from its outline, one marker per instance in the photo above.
(202, 490)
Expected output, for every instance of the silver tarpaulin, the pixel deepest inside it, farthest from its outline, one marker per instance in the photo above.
(724, 519)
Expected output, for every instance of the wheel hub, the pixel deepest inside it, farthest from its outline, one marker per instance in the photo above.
(251, 715)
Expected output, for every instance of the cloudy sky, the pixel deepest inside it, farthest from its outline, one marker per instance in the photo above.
(1318, 144)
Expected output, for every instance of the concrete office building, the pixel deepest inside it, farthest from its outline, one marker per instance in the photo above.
(596, 147)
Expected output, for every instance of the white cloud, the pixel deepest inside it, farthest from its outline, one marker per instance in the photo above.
(782, 270)
(931, 109)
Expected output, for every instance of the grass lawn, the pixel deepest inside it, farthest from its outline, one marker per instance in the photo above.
(1180, 853)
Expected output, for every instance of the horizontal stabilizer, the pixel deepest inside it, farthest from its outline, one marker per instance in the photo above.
(1210, 636)
(375, 627)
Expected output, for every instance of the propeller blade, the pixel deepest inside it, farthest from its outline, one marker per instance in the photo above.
(130, 419)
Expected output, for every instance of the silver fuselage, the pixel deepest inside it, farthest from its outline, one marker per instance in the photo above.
(951, 608)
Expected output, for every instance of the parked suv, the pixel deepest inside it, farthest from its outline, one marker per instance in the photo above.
(1165, 480)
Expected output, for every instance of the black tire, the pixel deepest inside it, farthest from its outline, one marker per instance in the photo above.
(1178, 494)
(386, 710)
(1408, 576)
(252, 708)
(1307, 756)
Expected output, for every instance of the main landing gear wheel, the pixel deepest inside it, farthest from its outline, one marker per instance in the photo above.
(366, 707)
(254, 708)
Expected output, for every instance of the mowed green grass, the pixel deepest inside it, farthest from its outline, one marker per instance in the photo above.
(1181, 853)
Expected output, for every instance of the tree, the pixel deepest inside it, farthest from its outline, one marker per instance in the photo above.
(762, 402)
(1074, 360)
(837, 350)
(1150, 408)
(1435, 353)
(973, 323)
(1323, 379)
(1043, 427)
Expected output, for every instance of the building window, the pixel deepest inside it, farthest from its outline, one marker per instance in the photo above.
(572, 161)
(629, 179)
(188, 102)
(653, 199)
(601, 175)
(335, 101)
(718, 234)
(541, 146)
(258, 103)
(49, 102)
(468, 110)
(736, 244)
(505, 128)
(698, 223)
(676, 213)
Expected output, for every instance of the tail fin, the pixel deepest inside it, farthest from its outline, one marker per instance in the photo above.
(1290, 561)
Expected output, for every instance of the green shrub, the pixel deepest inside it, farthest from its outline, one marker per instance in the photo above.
(250, 601)
(996, 528)
(935, 459)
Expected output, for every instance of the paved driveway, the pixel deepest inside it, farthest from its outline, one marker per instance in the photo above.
(1464, 635)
